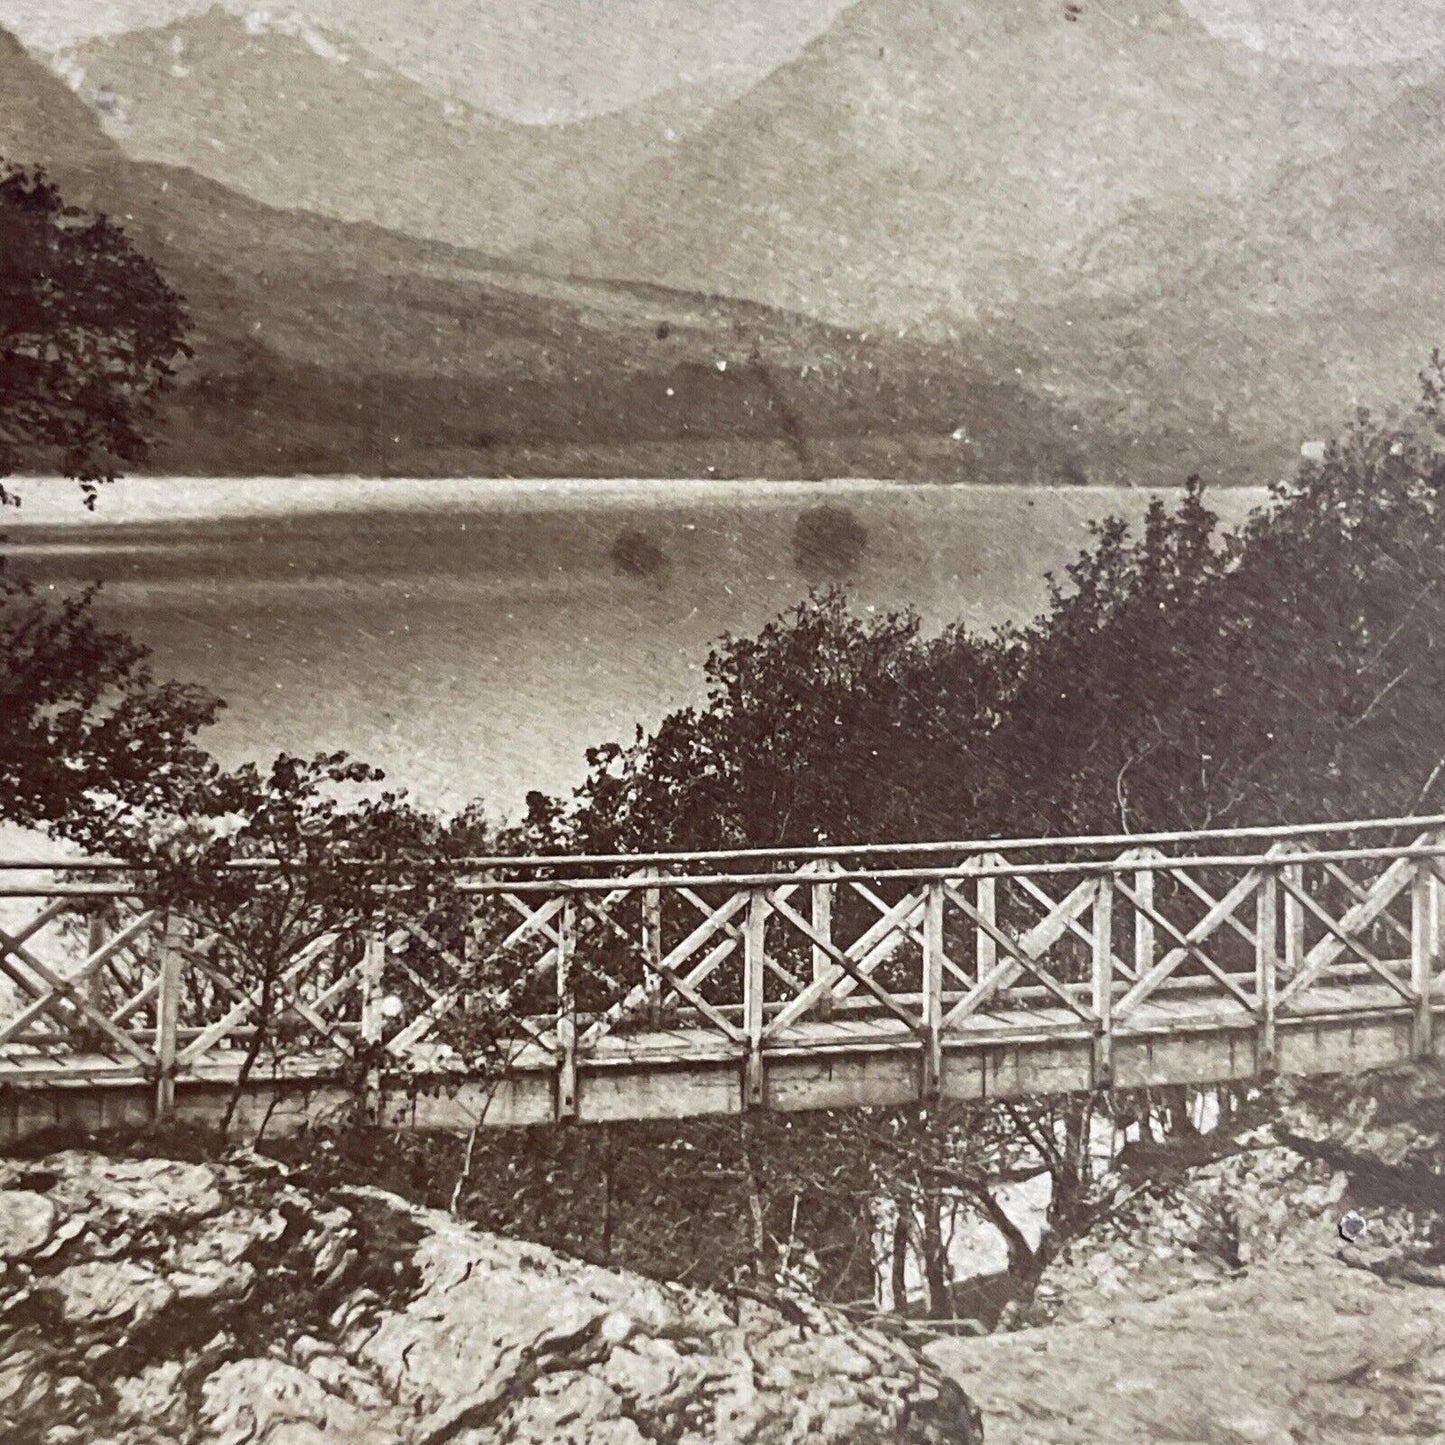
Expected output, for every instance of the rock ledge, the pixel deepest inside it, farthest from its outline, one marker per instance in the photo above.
(149, 1300)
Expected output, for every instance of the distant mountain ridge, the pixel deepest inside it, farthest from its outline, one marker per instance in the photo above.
(305, 118)
(1181, 235)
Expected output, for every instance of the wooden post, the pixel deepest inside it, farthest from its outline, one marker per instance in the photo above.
(986, 947)
(1424, 953)
(1266, 973)
(373, 969)
(932, 1072)
(1294, 921)
(566, 1014)
(1102, 982)
(373, 1020)
(652, 950)
(822, 921)
(754, 974)
(1144, 937)
(95, 936)
(168, 1017)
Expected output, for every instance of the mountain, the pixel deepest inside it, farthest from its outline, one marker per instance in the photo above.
(927, 160)
(325, 345)
(1112, 192)
(267, 106)
(41, 119)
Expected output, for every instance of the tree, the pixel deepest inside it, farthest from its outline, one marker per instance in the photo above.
(91, 737)
(826, 727)
(276, 873)
(90, 335)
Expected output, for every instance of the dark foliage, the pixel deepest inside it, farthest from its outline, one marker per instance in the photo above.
(91, 738)
(90, 335)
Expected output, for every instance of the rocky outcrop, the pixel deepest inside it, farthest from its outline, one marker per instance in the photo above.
(153, 1300)
(1219, 1302)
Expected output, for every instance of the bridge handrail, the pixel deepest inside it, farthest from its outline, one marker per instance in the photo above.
(820, 852)
(1130, 862)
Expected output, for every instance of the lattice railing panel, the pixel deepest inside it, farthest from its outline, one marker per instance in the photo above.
(572, 970)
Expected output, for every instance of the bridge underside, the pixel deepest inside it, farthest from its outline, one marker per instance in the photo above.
(683, 1073)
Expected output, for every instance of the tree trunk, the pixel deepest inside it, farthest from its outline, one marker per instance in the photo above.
(935, 1258)
(266, 1007)
(607, 1194)
(1181, 1121)
(757, 1208)
(900, 1254)
(1025, 1263)
(1146, 1119)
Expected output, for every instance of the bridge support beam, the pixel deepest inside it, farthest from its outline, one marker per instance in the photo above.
(373, 972)
(566, 1107)
(168, 1018)
(1266, 973)
(821, 903)
(652, 950)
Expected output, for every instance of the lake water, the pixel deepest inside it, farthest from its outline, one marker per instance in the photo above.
(473, 638)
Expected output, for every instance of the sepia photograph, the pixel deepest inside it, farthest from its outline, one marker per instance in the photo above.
(722, 722)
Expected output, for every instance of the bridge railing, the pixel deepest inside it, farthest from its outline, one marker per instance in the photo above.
(574, 960)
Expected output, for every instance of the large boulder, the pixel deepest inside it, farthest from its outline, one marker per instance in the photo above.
(151, 1300)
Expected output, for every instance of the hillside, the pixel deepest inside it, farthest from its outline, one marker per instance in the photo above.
(1320, 290)
(1216, 1299)
(1116, 194)
(331, 346)
(145, 1299)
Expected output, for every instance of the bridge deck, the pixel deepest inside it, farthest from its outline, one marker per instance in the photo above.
(682, 1072)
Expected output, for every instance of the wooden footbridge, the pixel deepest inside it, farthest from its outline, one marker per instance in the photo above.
(654, 987)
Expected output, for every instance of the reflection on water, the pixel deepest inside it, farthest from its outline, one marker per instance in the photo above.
(474, 637)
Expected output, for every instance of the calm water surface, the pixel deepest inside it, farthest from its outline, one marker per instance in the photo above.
(473, 638)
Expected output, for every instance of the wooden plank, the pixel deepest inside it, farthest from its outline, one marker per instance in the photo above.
(986, 899)
(754, 974)
(566, 1014)
(931, 1083)
(652, 951)
(1102, 979)
(168, 1008)
(872, 947)
(1424, 955)
(1026, 953)
(1341, 936)
(842, 960)
(1190, 946)
(1149, 981)
(1145, 941)
(1266, 936)
(821, 909)
(373, 974)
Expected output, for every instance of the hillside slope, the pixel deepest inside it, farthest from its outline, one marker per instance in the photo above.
(1182, 235)
(929, 160)
(1217, 1301)
(330, 346)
